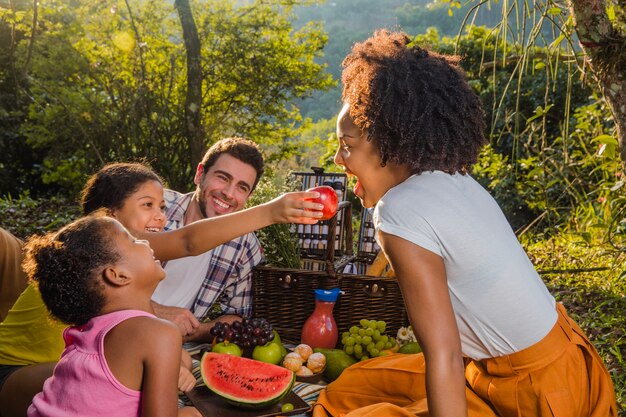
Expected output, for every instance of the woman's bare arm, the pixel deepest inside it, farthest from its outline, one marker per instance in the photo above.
(422, 278)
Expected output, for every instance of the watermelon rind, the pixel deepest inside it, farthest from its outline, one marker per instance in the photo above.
(223, 374)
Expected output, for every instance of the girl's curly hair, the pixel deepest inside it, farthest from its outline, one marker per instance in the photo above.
(67, 266)
(415, 104)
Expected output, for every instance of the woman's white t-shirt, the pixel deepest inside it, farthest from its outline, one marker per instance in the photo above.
(501, 304)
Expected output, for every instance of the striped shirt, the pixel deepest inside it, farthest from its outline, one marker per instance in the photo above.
(224, 285)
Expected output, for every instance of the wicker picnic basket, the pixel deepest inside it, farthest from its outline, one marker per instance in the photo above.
(286, 296)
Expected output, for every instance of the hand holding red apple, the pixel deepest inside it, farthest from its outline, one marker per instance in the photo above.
(292, 207)
(328, 198)
(305, 207)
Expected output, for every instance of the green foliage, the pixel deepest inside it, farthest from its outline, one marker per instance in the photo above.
(259, 69)
(353, 21)
(279, 243)
(585, 273)
(313, 147)
(416, 18)
(543, 166)
(496, 173)
(25, 216)
(346, 22)
(117, 88)
(561, 183)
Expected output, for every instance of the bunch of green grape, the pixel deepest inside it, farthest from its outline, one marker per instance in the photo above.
(368, 340)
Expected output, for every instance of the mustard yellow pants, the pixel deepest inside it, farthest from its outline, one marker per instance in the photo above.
(560, 376)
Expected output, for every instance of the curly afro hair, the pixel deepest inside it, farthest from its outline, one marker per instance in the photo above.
(415, 104)
(113, 184)
(67, 266)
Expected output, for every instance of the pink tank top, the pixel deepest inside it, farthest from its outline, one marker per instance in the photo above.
(82, 383)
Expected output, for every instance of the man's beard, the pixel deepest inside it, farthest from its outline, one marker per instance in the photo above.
(201, 204)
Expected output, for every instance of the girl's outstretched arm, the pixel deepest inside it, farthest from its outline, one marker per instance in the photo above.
(206, 234)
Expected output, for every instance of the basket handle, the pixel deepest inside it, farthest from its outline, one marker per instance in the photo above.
(346, 229)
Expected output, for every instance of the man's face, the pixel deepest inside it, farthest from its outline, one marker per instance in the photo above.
(225, 187)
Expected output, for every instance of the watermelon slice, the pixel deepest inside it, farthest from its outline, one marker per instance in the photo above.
(244, 382)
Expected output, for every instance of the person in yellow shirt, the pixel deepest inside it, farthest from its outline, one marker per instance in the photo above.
(32, 343)
(12, 278)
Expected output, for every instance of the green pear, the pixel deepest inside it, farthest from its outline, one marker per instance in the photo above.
(276, 340)
(336, 361)
(411, 347)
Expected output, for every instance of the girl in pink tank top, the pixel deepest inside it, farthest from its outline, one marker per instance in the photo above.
(119, 359)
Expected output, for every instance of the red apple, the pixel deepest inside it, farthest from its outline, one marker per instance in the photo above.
(328, 198)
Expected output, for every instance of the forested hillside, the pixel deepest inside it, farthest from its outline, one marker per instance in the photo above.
(347, 22)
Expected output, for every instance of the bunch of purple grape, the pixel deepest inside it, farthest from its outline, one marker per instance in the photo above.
(246, 333)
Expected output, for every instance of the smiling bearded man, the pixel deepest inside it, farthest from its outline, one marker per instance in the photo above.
(217, 284)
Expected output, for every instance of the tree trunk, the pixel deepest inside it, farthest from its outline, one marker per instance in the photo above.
(193, 100)
(605, 52)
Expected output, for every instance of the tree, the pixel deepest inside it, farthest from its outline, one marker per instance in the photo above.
(193, 99)
(16, 157)
(600, 29)
(119, 80)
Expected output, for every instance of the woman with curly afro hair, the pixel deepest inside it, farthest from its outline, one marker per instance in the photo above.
(494, 341)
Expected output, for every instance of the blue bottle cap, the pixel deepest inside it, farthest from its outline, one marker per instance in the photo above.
(327, 295)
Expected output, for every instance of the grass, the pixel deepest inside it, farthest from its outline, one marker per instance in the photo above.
(586, 275)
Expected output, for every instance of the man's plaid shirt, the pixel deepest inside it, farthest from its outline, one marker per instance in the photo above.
(228, 280)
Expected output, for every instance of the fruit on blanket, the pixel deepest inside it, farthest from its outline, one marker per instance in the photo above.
(227, 348)
(246, 333)
(276, 340)
(269, 353)
(387, 352)
(244, 382)
(411, 347)
(312, 367)
(368, 340)
(328, 198)
(336, 361)
(304, 371)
